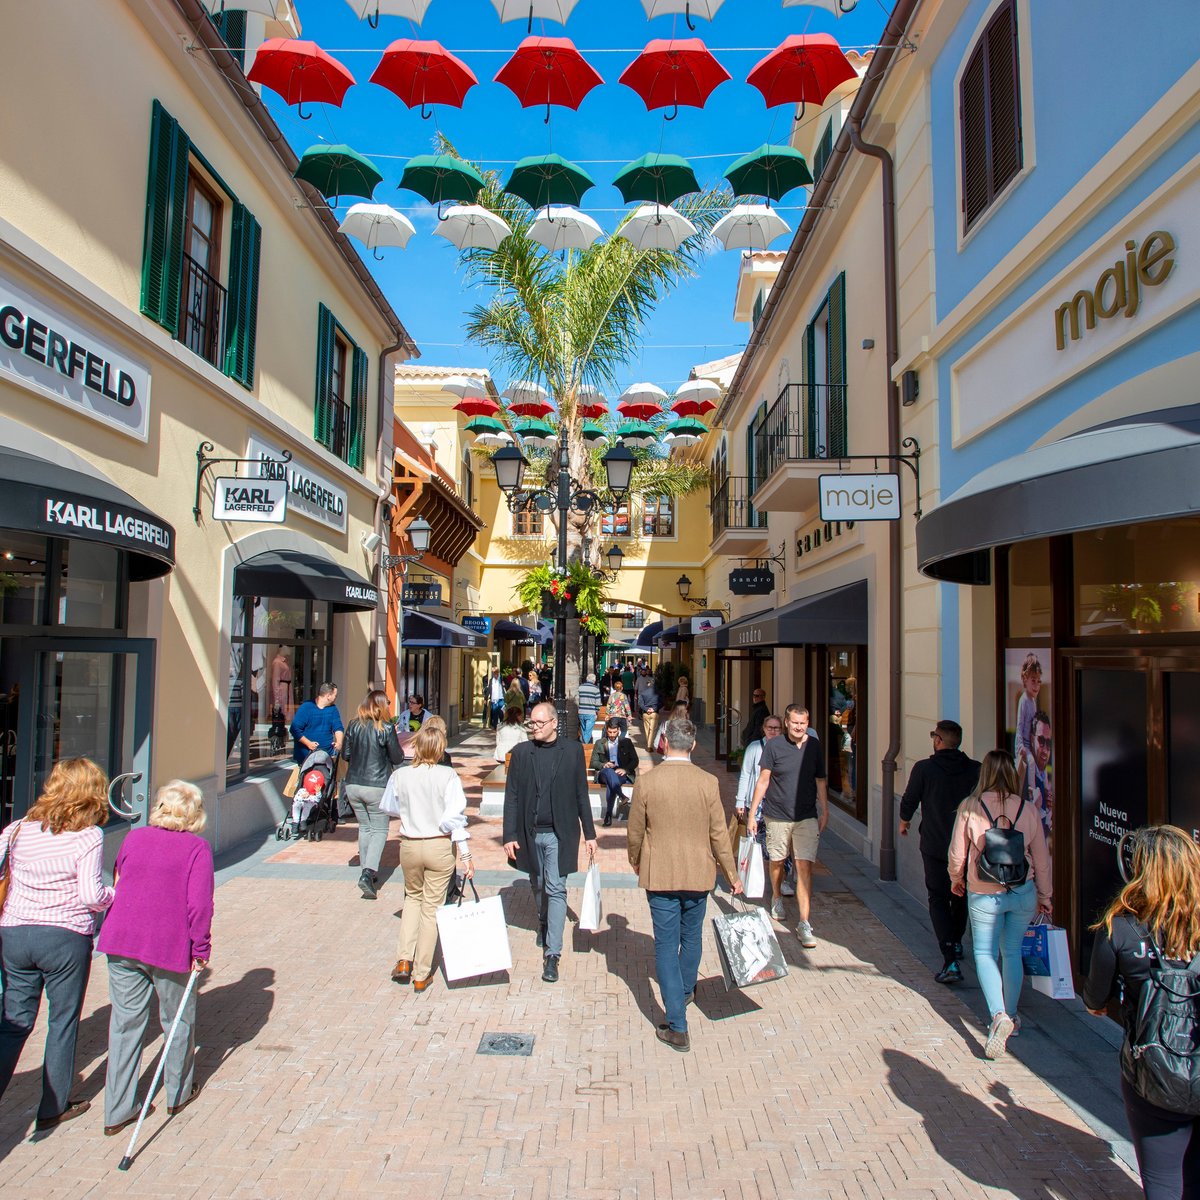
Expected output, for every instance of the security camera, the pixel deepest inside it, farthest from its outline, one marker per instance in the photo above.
(371, 542)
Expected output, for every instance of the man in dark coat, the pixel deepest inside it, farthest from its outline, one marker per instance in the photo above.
(753, 729)
(615, 761)
(938, 785)
(545, 803)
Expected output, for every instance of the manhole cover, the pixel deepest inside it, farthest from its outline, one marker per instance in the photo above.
(506, 1043)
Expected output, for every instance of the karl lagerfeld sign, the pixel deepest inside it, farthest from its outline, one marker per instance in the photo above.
(310, 494)
(238, 499)
(67, 516)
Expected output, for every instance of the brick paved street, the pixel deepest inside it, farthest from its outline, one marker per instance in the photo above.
(856, 1076)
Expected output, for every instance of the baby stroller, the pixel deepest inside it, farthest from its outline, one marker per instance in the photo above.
(278, 733)
(314, 806)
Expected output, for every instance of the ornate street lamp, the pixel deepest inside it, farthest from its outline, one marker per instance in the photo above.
(615, 557)
(419, 532)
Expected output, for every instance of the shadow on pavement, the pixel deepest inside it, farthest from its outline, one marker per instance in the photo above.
(231, 1016)
(628, 955)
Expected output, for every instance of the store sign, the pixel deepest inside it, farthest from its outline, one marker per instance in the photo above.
(822, 534)
(705, 624)
(67, 516)
(67, 361)
(309, 493)
(239, 499)
(478, 624)
(422, 595)
(361, 595)
(752, 581)
(859, 497)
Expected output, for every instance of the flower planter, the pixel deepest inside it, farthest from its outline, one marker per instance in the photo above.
(555, 608)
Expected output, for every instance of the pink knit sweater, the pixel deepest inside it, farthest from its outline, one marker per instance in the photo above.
(969, 828)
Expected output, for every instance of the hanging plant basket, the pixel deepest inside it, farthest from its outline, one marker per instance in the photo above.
(557, 607)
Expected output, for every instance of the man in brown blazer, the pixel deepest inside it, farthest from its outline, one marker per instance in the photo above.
(676, 836)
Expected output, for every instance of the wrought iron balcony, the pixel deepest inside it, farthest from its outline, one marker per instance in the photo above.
(201, 312)
(803, 431)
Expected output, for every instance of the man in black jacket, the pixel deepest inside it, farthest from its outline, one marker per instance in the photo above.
(545, 803)
(938, 785)
(616, 762)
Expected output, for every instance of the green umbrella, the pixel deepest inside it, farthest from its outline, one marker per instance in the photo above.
(593, 431)
(534, 429)
(548, 179)
(637, 432)
(657, 179)
(440, 177)
(770, 171)
(484, 425)
(688, 425)
(338, 171)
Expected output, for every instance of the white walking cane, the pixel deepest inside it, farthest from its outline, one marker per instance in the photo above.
(127, 1161)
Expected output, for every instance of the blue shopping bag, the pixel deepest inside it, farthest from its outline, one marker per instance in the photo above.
(1035, 950)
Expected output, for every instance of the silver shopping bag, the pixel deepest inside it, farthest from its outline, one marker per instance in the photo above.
(748, 948)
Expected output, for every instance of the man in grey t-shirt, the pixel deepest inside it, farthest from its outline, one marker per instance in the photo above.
(794, 800)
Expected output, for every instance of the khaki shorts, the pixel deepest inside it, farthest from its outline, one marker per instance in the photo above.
(800, 837)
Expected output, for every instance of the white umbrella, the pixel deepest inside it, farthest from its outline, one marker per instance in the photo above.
(463, 386)
(678, 441)
(371, 10)
(472, 227)
(377, 225)
(643, 393)
(561, 227)
(264, 8)
(493, 439)
(750, 227)
(838, 7)
(549, 10)
(698, 389)
(657, 227)
(524, 391)
(690, 8)
(588, 393)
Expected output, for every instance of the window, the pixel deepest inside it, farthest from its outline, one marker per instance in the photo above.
(468, 479)
(614, 519)
(231, 24)
(340, 411)
(825, 350)
(990, 115)
(529, 522)
(760, 302)
(188, 210)
(823, 151)
(634, 619)
(658, 519)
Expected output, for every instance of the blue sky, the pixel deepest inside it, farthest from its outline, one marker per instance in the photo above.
(423, 282)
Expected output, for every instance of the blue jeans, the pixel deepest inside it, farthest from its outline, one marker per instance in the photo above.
(587, 722)
(551, 897)
(495, 713)
(612, 782)
(998, 924)
(678, 920)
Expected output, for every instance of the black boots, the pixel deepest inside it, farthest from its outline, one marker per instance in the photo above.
(541, 936)
(367, 883)
(550, 968)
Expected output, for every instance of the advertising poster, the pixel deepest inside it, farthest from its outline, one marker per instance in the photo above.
(1030, 731)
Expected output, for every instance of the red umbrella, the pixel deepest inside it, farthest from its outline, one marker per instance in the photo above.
(674, 72)
(537, 409)
(692, 408)
(803, 70)
(300, 72)
(422, 73)
(639, 410)
(478, 406)
(547, 70)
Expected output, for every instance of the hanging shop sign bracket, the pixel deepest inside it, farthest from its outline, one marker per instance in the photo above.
(273, 469)
(867, 497)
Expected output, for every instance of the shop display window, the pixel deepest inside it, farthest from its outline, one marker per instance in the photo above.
(841, 733)
(1030, 590)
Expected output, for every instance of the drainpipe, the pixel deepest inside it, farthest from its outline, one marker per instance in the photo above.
(383, 471)
(887, 834)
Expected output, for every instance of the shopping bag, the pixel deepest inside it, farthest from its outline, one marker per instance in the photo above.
(1046, 960)
(289, 788)
(748, 948)
(736, 831)
(474, 937)
(750, 869)
(591, 910)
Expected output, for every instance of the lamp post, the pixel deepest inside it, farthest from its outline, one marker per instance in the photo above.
(510, 467)
(419, 532)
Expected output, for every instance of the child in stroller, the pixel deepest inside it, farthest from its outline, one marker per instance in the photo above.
(313, 806)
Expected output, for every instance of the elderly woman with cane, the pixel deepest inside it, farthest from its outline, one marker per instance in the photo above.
(158, 932)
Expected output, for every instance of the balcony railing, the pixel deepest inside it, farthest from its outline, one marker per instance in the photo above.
(339, 431)
(731, 507)
(201, 312)
(806, 422)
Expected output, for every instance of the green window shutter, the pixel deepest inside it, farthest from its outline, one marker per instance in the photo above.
(824, 150)
(166, 204)
(358, 410)
(323, 406)
(231, 25)
(241, 312)
(835, 356)
(813, 390)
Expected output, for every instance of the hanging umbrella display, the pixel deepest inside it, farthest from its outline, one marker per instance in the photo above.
(477, 406)
(301, 72)
(484, 425)
(559, 227)
(770, 171)
(700, 8)
(547, 70)
(656, 179)
(441, 177)
(677, 441)
(642, 400)
(695, 398)
(424, 73)
(464, 386)
(377, 225)
(472, 227)
(547, 10)
(262, 8)
(491, 440)
(338, 171)
(544, 179)
(802, 70)
(590, 402)
(535, 431)
(750, 227)
(672, 72)
(371, 10)
(687, 425)
(657, 227)
(838, 7)
(637, 433)
(528, 399)
(593, 431)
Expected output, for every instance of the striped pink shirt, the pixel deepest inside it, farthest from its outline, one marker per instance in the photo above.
(55, 877)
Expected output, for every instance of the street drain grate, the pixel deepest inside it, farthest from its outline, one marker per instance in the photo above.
(517, 1044)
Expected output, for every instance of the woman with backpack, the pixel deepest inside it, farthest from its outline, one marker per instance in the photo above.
(1152, 930)
(999, 860)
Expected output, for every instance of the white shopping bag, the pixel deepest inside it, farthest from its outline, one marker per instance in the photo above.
(591, 910)
(1058, 985)
(474, 937)
(750, 869)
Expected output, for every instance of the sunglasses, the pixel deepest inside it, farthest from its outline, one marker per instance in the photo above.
(1045, 742)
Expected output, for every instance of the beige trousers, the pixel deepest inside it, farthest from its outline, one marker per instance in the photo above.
(427, 864)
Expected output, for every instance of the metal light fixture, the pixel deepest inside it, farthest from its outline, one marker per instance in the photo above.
(615, 557)
(419, 532)
(510, 469)
(618, 466)
(684, 584)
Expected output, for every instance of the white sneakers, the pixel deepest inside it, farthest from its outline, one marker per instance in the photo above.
(788, 888)
(804, 931)
(999, 1032)
(777, 908)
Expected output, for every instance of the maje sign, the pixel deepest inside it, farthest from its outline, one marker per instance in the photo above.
(238, 499)
(859, 497)
(309, 493)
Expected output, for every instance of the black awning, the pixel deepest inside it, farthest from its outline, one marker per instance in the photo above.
(426, 630)
(38, 496)
(836, 617)
(297, 576)
(1139, 468)
(648, 634)
(674, 634)
(514, 631)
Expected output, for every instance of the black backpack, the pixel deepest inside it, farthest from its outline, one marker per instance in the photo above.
(1161, 1053)
(1003, 858)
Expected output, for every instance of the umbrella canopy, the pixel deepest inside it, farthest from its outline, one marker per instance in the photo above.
(696, 397)
(838, 7)
(590, 402)
(521, 10)
(478, 425)
(690, 8)
(687, 425)
(593, 431)
(377, 225)
(464, 386)
(478, 406)
(750, 227)
(802, 70)
(534, 429)
(639, 410)
(528, 399)
(657, 179)
(646, 393)
(472, 227)
(655, 227)
(559, 227)
(490, 439)
(300, 72)
(679, 440)
(770, 171)
(441, 177)
(548, 71)
(671, 72)
(637, 433)
(338, 171)
(543, 179)
(371, 10)
(423, 73)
